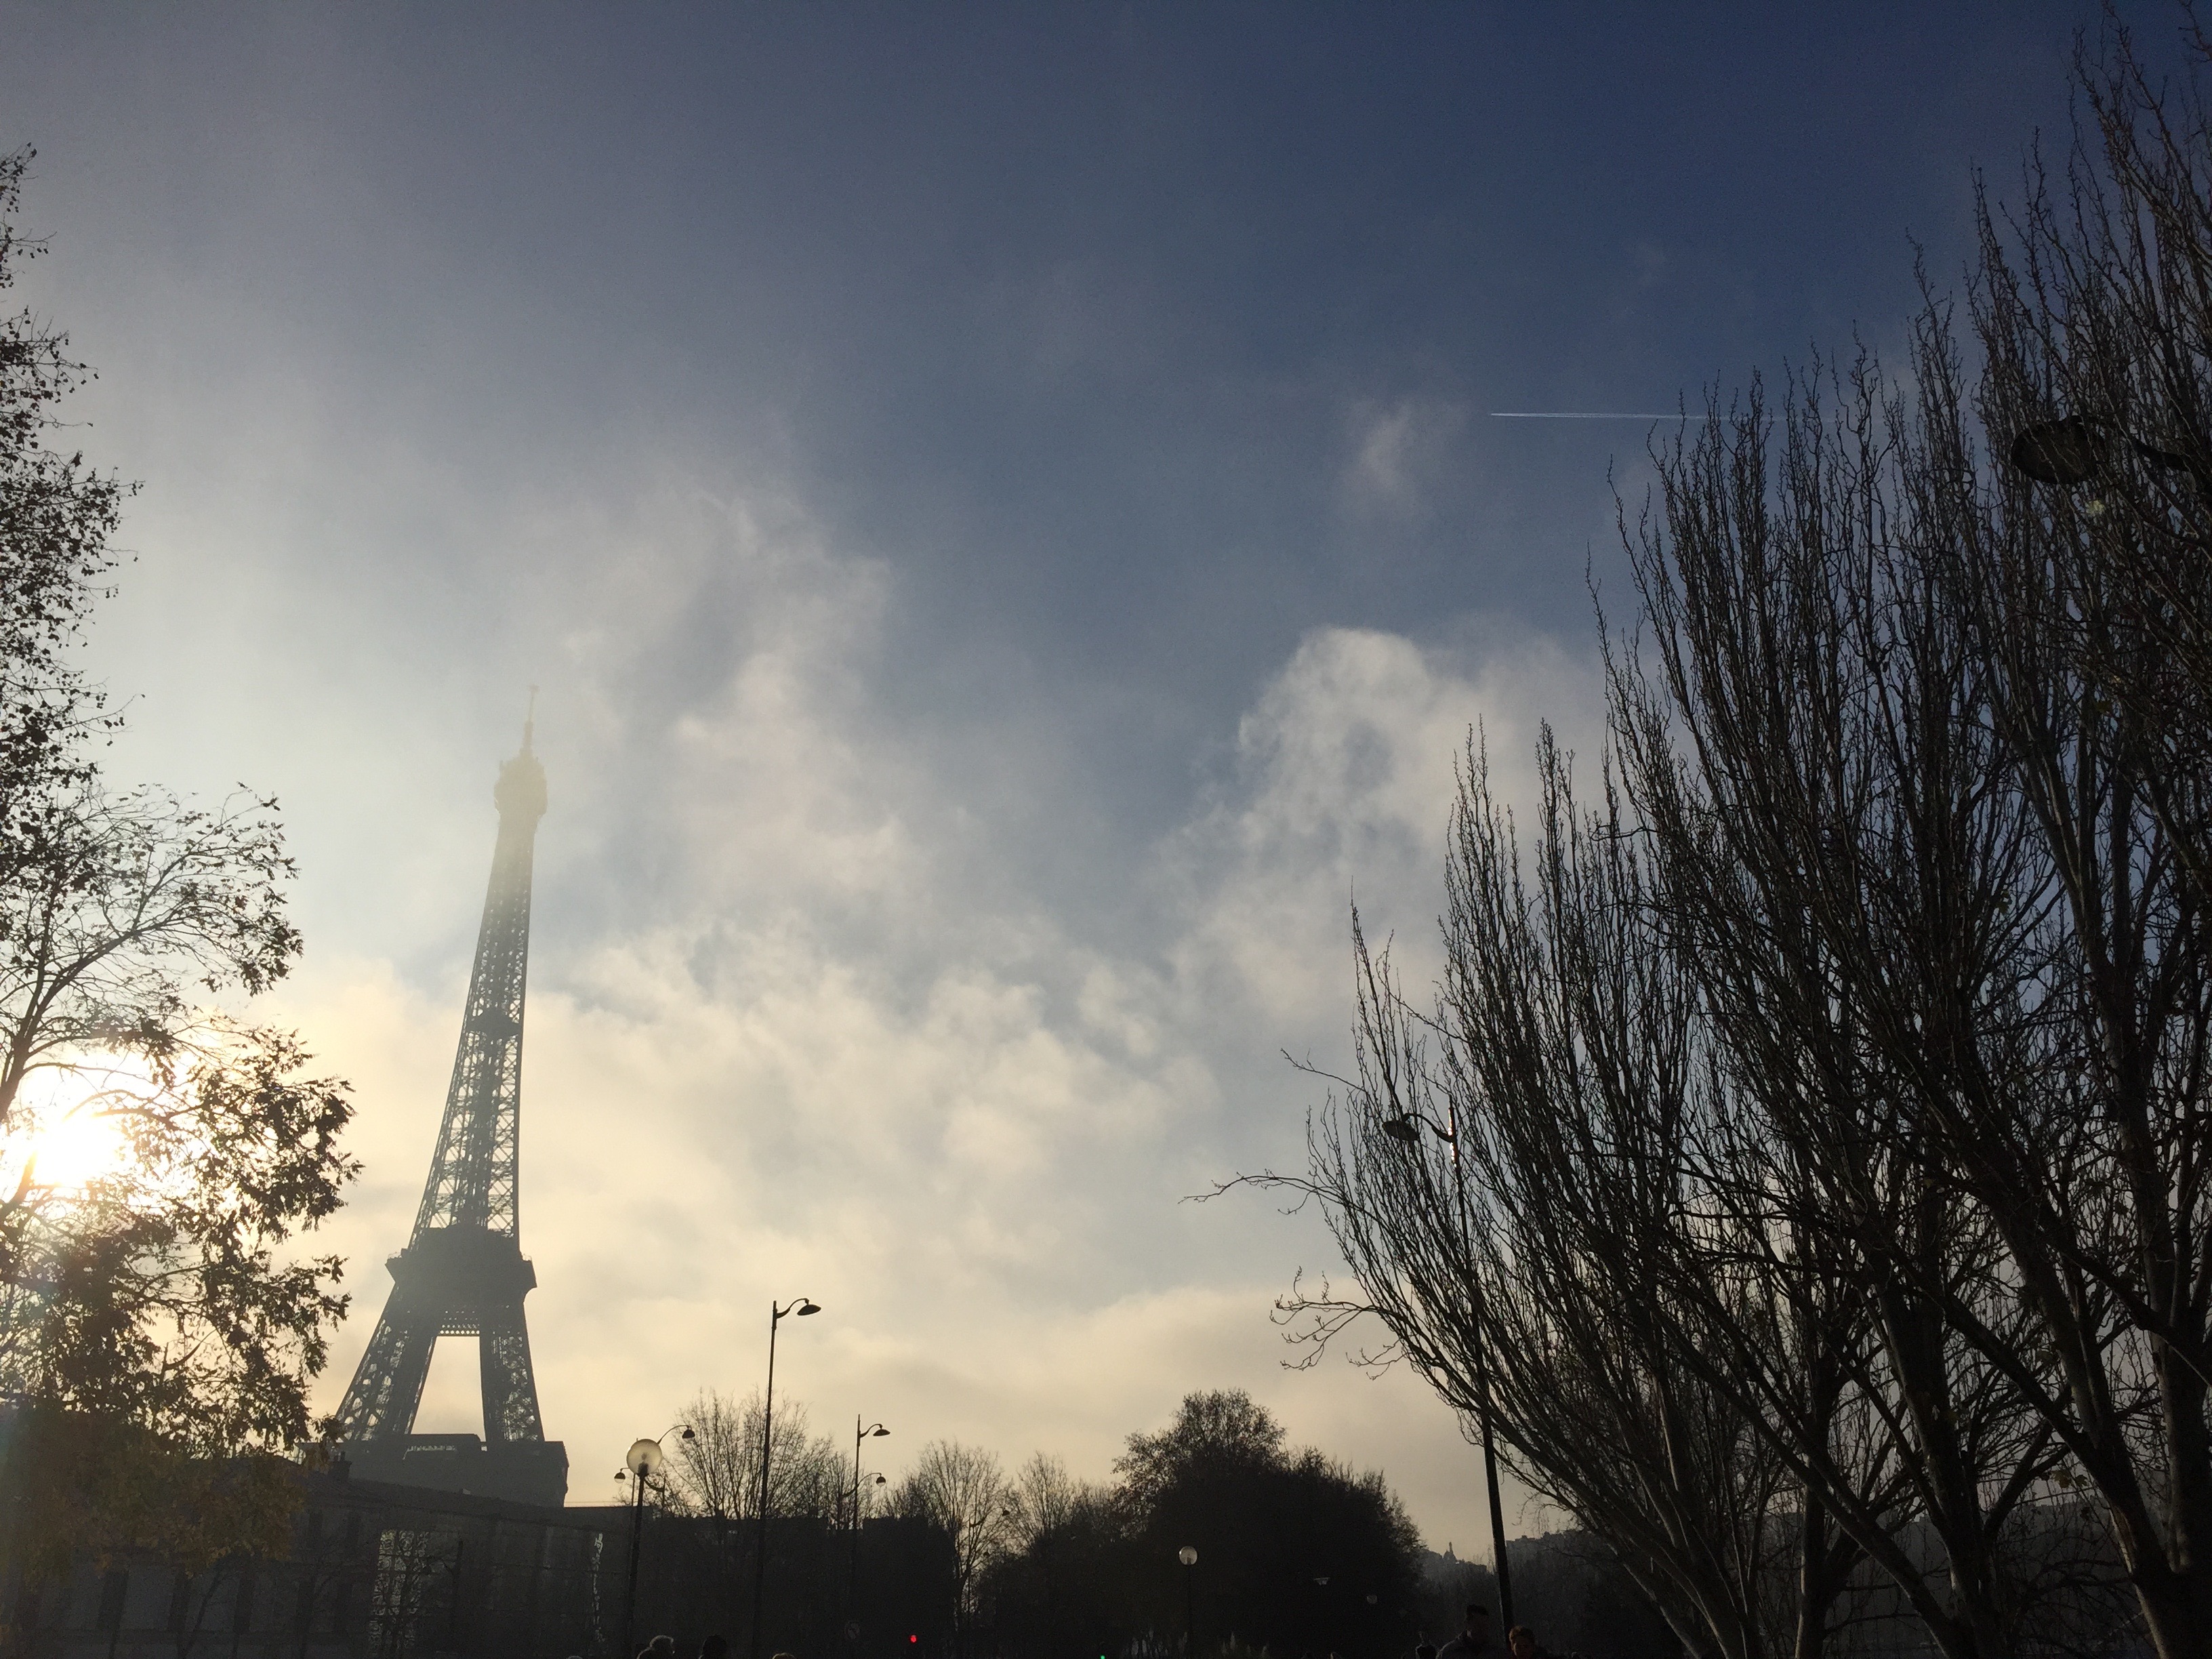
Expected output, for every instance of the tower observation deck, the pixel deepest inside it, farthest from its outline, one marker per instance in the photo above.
(463, 1272)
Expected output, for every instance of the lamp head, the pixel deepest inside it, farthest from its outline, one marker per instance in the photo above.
(806, 1306)
(1188, 1556)
(1401, 1128)
(2064, 452)
(879, 1432)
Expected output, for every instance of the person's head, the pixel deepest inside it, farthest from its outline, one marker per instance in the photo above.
(1521, 1642)
(1477, 1623)
(714, 1647)
(1425, 1651)
(664, 1646)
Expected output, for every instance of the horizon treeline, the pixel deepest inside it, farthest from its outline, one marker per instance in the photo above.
(1295, 1551)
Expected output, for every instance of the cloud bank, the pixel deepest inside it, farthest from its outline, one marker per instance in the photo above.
(807, 1015)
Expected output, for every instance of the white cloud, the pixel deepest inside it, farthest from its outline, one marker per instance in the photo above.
(1346, 774)
(814, 1042)
(1397, 451)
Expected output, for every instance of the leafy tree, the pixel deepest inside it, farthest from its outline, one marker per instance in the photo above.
(1294, 1551)
(80, 1485)
(1290, 1547)
(153, 1290)
(55, 516)
(1216, 1434)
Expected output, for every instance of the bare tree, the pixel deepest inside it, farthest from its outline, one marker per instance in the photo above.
(1548, 1215)
(2085, 585)
(1987, 830)
(1041, 1498)
(1866, 1097)
(717, 1472)
(963, 1490)
(1837, 857)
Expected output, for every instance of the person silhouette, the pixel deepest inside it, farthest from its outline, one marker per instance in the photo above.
(1473, 1641)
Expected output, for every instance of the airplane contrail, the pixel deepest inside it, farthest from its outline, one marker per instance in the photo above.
(1548, 415)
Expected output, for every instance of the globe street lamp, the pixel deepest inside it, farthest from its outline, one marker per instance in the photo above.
(1406, 1130)
(802, 1306)
(640, 1464)
(1188, 1557)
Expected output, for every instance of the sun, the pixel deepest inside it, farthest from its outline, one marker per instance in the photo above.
(76, 1150)
(68, 1120)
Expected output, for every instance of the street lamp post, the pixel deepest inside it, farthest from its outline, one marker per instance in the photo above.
(640, 1463)
(802, 1306)
(1188, 1557)
(874, 1432)
(1408, 1130)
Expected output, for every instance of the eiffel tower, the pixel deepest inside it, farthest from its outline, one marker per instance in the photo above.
(463, 1272)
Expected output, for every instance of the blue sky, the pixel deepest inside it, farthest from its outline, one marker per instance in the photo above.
(1003, 506)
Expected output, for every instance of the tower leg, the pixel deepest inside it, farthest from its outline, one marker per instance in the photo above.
(388, 1387)
(510, 1385)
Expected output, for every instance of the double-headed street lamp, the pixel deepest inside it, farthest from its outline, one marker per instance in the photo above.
(874, 1432)
(640, 1464)
(802, 1306)
(1407, 1129)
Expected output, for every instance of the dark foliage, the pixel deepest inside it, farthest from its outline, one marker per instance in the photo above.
(1567, 1588)
(1295, 1554)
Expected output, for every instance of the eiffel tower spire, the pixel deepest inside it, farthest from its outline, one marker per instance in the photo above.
(463, 1272)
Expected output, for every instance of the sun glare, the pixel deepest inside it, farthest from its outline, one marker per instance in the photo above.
(67, 1125)
(76, 1150)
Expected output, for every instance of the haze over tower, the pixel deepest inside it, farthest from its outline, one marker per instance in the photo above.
(463, 1272)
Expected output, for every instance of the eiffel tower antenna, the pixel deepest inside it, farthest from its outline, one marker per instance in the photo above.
(463, 1272)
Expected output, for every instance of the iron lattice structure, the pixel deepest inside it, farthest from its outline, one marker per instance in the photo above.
(463, 1272)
